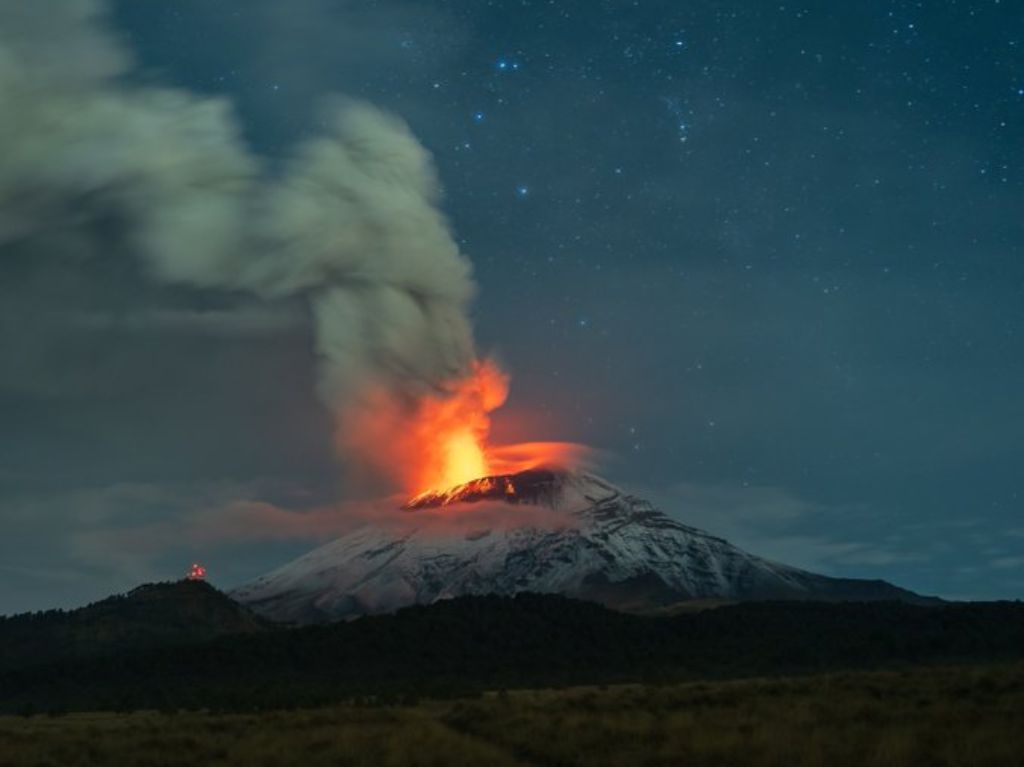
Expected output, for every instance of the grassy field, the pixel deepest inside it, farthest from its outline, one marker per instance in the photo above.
(952, 716)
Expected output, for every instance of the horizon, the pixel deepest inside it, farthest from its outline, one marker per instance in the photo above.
(763, 264)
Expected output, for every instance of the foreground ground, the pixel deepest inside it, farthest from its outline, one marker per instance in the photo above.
(950, 716)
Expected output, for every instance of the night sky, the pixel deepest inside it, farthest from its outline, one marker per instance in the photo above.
(767, 257)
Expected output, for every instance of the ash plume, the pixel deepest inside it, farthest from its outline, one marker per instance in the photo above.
(97, 165)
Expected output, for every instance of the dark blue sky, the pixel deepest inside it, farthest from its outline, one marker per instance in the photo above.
(767, 256)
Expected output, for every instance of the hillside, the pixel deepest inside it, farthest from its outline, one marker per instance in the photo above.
(561, 532)
(466, 645)
(150, 616)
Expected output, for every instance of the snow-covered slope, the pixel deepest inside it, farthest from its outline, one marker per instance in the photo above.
(611, 547)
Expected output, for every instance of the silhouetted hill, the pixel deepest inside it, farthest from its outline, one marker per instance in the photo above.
(466, 645)
(154, 615)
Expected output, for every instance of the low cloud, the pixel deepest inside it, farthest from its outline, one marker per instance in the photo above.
(237, 322)
(1008, 563)
(771, 522)
(114, 537)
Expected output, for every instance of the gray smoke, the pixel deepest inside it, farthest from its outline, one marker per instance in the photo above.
(93, 165)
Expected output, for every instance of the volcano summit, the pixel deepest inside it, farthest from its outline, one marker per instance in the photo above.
(596, 542)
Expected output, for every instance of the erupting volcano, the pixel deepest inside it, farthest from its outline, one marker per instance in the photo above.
(530, 486)
(529, 518)
(451, 429)
(566, 533)
(439, 441)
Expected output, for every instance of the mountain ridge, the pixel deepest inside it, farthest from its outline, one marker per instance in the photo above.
(467, 645)
(151, 615)
(602, 545)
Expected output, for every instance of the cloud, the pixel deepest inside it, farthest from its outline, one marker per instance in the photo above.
(1008, 563)
(97, 540)
(97, 169)
(772, 522)
(92, 541)
(56, 575)
(732, 504)
(241, 522)
(242, 321)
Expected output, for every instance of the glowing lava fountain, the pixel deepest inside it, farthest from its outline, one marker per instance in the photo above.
(441, 441)
(452, 428)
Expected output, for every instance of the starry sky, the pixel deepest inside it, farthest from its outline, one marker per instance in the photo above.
(767, 257)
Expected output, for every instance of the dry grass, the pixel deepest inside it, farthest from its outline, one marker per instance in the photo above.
(341, 736)
(966, 716)
(959, 716)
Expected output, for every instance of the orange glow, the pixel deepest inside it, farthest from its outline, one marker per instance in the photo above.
(487, 487)
(451, 429)
(512, 459)
(196, 572)
(440, 440)
(463, 460)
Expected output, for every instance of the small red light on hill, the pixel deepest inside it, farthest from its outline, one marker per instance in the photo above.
(196, 572)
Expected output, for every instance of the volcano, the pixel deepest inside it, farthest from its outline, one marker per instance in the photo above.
(592, 541)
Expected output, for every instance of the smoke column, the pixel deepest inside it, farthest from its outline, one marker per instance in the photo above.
(93, 164)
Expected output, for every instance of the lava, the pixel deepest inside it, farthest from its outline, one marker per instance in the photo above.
(452, 428)
(455, 457)
(527, 486)
(439, 442)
